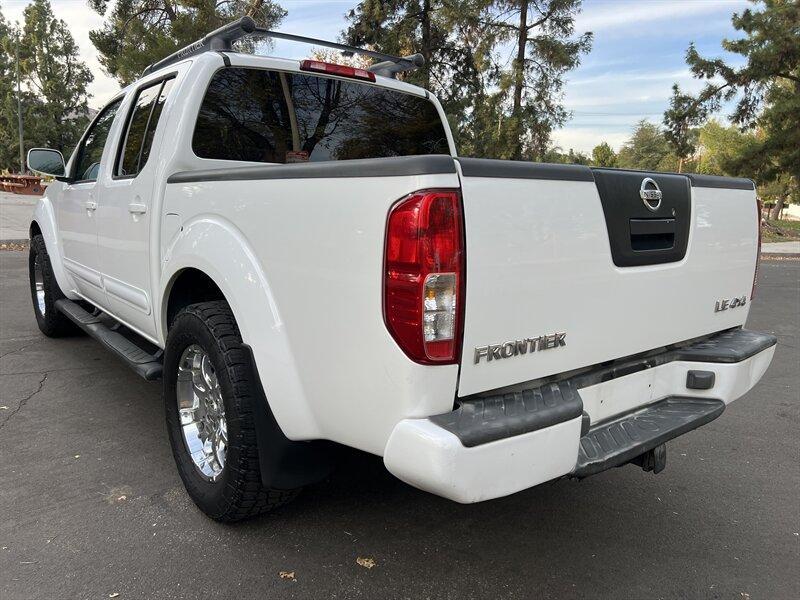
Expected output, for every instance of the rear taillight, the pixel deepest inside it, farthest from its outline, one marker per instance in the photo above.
(758, 252)
(318, 66)
(424, 276)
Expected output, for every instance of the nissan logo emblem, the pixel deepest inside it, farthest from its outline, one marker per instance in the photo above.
(650, 194)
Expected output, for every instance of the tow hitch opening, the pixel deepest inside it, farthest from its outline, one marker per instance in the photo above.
(653, 460)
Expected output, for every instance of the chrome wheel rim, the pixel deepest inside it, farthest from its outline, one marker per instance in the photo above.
(202, 412)
(38, 282)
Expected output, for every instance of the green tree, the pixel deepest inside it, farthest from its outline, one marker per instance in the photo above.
(53, 71)
(449, 36)
(495, 110)
(527, 107)
(604, 156)
(647, 149)
(766, 89)
(138, 33)
(681, 132)
(8, 114)
(721, 148)
(571, 157)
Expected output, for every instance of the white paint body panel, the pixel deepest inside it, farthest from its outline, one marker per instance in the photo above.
(308, 298)
(539, 261)
(430, 458)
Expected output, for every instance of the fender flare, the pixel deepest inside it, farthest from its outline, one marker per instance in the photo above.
(44, 218)
(214, 246)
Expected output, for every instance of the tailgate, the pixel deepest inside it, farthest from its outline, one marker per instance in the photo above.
(569, 267)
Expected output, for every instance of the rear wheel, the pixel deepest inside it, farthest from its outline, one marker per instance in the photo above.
(45, 292)
(208, 397)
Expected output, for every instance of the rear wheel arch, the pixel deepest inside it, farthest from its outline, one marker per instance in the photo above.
(215, 247)
(34, 230)
(188, 286)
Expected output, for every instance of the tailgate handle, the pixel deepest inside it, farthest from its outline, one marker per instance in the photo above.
(652, 226)
(648, 235)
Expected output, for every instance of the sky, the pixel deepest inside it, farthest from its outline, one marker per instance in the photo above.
(638, 53)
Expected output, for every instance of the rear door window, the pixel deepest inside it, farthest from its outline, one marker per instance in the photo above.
(141, 128)
(275, 117)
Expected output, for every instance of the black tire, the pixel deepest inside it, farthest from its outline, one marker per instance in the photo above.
(51, 322)
(237, 493)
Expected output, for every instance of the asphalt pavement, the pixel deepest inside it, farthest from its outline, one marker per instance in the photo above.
(16, 211)
(91, 505)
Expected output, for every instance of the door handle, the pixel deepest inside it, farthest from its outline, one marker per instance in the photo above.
(90, 205)
(137, 208)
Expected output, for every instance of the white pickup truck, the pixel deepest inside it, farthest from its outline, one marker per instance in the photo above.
(297, 250)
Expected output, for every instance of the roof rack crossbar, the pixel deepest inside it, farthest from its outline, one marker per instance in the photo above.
(222, 40)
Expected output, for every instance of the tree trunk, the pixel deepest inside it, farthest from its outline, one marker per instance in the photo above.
(519, 79)
(170, 11)
(680, 165)
(426, 43)
(775, 213)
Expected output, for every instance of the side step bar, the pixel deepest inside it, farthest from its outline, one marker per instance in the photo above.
(146, 363)
(617, 442)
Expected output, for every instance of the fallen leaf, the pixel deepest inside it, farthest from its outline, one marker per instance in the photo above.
(367, 563)
(287, 575)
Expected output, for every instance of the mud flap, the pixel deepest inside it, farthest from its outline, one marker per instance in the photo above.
(286, 464)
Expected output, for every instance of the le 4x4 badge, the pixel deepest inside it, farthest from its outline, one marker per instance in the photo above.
(726, 303)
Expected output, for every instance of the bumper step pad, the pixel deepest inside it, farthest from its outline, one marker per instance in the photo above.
(482, 420)
(143, 357)
(617, 442)
(730, 346)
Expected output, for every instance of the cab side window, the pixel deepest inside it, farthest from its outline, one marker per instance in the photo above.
(141, 128)
(87, 164)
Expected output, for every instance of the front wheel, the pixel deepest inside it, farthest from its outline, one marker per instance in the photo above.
(45, 292)
(208, 397)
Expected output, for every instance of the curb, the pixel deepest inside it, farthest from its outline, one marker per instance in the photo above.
(13, 245)
(780, 255)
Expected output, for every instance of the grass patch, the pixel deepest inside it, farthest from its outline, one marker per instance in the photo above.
(780, 231)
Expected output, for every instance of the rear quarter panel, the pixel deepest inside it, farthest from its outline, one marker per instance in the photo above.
(301, 263)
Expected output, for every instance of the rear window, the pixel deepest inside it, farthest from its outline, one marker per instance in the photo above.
(275, 117)
(141, 128)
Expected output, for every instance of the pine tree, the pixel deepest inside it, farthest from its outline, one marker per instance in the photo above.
(9, 147)
(55, 74)
(138, 33)
(545, 48)
(446, 33)
(604, 156)
(647, 149)
(766, 90)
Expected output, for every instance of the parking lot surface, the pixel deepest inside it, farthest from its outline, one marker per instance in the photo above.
(15, 215)
(91, 504)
